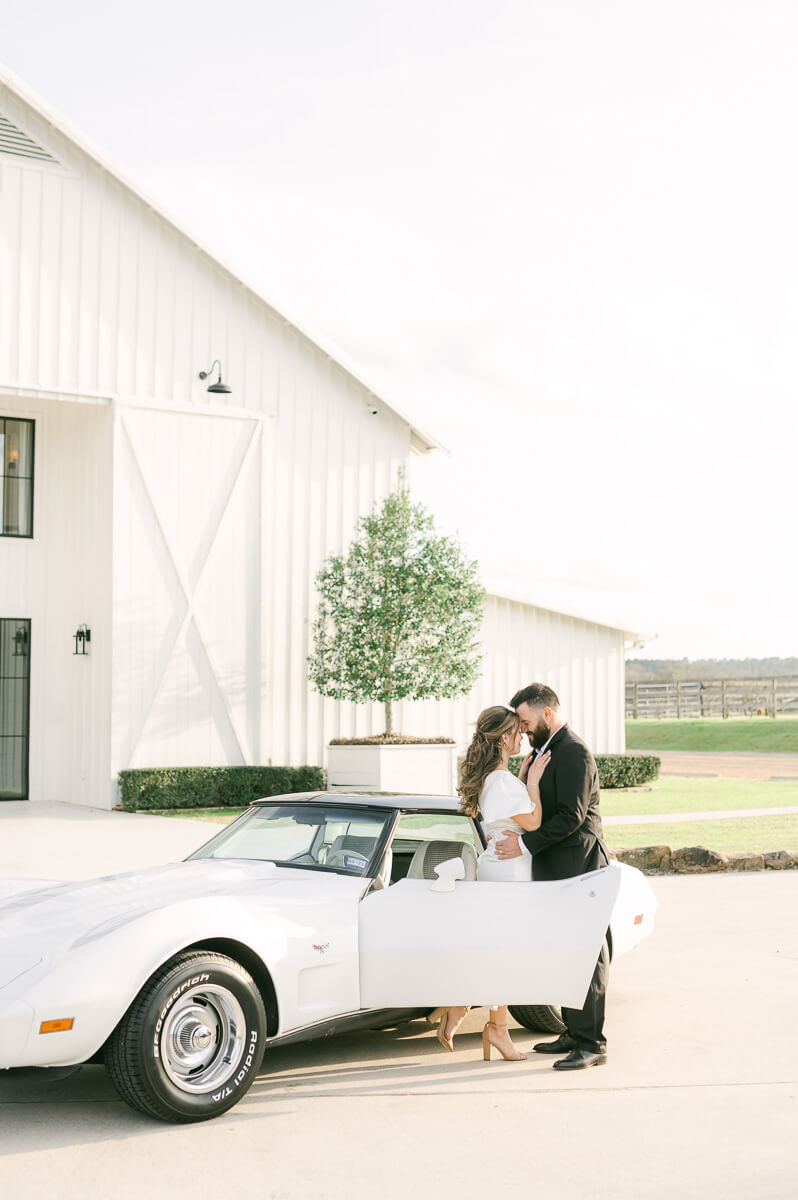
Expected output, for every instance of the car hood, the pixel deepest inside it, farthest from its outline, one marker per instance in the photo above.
(16, 887)
(67, 912)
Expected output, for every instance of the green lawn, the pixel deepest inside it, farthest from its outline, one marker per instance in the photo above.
(666, 795)
(739, 836)
(755, 733)
(670, 793)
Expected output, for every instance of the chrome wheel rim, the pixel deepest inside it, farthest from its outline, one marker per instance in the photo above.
(202, 1039)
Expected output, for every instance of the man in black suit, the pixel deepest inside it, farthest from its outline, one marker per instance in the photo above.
(568, 842)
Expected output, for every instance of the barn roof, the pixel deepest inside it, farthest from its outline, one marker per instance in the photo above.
(20, 143)
(535, 598)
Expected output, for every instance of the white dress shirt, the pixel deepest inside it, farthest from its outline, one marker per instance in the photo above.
(521, 845)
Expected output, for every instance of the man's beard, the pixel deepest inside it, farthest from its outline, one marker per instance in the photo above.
(540, 734)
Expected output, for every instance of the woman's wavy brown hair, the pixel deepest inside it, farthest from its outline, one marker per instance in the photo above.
(484, 754)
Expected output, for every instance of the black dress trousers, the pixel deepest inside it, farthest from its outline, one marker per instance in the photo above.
(586, 1025)
(570, 842)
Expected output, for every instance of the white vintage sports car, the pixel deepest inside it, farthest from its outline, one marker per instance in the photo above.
(308, 915)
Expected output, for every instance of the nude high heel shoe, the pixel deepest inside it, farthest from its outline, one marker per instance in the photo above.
(487, 1045)
(440, 1032)
(434, 1017)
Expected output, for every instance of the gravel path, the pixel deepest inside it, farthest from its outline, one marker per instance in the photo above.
(716, 815)
(741, 764)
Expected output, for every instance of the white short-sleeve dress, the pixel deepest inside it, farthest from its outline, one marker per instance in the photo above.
(502, 796)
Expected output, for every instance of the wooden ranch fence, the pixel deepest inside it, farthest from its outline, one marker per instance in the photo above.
(713, 698)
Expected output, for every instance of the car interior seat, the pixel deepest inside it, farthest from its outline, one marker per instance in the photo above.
(429, 855)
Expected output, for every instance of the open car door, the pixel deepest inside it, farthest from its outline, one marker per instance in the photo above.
(483, 943)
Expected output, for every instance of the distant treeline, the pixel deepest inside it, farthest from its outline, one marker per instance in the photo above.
(661, 670)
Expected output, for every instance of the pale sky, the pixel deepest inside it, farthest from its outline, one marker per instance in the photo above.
(561, 236)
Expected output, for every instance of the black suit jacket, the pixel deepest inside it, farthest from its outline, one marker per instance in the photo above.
(570, 839)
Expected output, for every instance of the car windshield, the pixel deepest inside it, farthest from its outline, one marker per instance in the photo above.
(320, 837)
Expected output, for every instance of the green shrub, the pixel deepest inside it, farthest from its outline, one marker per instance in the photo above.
(212, 787)
(617, 770)
(627, 770)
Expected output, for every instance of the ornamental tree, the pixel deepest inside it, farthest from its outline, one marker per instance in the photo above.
(399, 614)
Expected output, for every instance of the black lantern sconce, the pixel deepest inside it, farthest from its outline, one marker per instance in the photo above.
(82, 636)
(21, 642)
(218, 387)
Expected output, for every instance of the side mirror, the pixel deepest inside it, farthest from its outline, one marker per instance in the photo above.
(448, 872)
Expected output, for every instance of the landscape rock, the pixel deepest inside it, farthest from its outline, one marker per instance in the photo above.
(646, 858)
(746, 862)
(697, 859)
(656, 860)
(781, 860)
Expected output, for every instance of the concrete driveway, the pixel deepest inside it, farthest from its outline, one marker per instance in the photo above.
(68, 841)
(700, 1096)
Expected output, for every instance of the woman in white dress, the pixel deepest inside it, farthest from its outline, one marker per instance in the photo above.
(487, 787)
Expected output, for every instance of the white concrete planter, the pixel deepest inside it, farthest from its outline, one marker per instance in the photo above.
(417, 770)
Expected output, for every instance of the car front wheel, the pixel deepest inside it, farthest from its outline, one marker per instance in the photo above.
(190, 1044)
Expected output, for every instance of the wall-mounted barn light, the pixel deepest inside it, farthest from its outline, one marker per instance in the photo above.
(218, 386)
(82, 636)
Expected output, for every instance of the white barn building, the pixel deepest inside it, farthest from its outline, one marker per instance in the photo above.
(183, 528)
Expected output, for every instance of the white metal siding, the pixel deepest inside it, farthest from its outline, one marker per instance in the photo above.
(101, 296)
(61, 578)
(213, 513)
(583, 662)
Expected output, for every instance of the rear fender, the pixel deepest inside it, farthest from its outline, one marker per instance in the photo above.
(634, 910)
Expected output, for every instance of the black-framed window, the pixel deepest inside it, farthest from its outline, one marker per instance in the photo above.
(14, 708)
(16, 477)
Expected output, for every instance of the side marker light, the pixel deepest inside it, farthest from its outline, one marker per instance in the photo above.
(61, 1026)
(639, 919)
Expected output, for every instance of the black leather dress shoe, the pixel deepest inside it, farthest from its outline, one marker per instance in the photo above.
(577, 1060)
(561, 1045)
